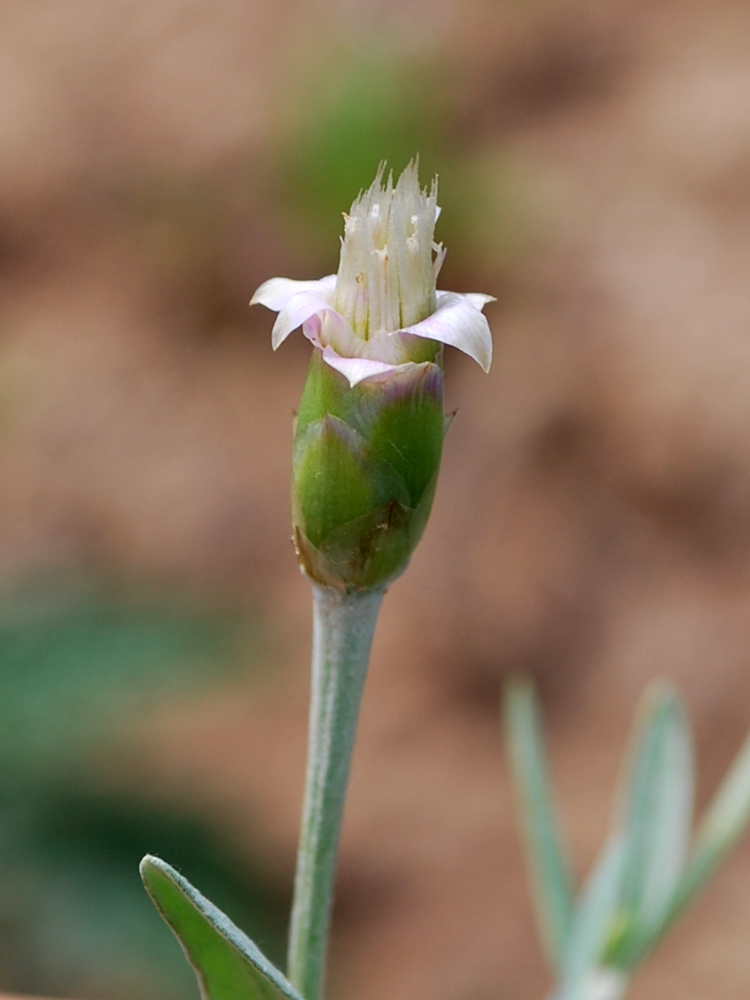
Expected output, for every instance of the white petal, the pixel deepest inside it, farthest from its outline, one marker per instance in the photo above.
(458, 322)
(478, 299)
(276, 292)
(356, 369)
(298, 308)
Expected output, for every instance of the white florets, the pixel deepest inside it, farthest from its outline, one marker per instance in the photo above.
(389, 260)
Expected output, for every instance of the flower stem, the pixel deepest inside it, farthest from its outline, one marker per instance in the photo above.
(343, 627)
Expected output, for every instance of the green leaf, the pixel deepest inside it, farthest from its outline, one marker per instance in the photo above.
(633, 884)
(655, 817)
(594, 918)
(551, 877)
(79, 655)
(227, 963)
(723, 823)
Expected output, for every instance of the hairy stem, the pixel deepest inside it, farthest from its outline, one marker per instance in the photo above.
(343, 627)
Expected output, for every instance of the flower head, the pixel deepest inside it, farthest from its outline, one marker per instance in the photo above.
(382, 310)
(369, 432)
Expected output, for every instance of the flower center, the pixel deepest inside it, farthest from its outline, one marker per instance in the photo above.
(389, 260)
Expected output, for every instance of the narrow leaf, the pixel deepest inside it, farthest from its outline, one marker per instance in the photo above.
(227, 963)
(633, 884)
(724, 822)
(656, 813)
(584, 970)
(550, 875)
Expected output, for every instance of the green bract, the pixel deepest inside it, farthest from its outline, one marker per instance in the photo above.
(365, 466)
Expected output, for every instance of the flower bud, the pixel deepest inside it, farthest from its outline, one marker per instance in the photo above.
(369, 433)
(365, 467)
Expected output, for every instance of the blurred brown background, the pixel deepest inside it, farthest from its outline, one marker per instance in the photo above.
(158, 160)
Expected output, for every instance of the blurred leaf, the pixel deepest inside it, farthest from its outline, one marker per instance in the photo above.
(78, 660)
(633, 884)
(551, 879)
(654, 822)
(722, 825)
(227, 963)
(358, 112)
(75, 660)
(594, 917)
(498, 209)
(73, 918)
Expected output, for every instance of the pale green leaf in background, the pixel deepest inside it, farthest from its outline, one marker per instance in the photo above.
(655, 815)
(594, 917)
(722, 825)
(551, 879)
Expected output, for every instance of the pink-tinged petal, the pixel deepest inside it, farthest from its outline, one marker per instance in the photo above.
(276, 292)
(297, 310)
(458, 322)
(311, 329)
(355, 370)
